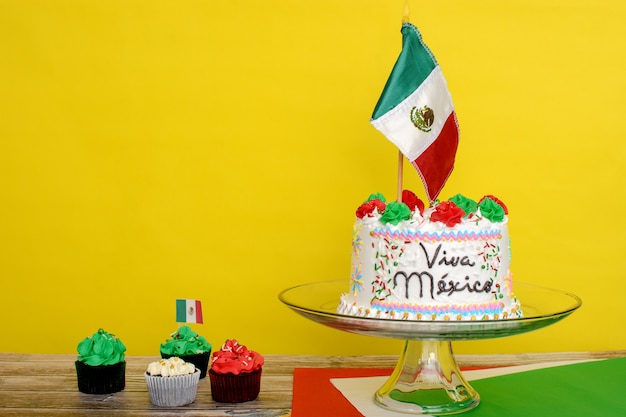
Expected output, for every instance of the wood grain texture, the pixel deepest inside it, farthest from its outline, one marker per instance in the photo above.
(45, 385)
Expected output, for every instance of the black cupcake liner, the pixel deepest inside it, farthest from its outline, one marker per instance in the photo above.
(103, 379)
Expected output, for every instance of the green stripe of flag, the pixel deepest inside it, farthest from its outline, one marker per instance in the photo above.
(413, 66)
(181, 311)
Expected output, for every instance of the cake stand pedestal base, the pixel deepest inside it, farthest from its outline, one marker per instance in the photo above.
(427, 380)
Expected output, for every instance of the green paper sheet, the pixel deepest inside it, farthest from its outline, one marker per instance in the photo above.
(587, 389)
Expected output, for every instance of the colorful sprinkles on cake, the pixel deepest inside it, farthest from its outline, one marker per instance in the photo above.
(357, 242)
(387, 254)
(490, 255)
(357, 280)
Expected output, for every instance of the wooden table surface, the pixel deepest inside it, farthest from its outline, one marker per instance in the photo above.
(45, 385)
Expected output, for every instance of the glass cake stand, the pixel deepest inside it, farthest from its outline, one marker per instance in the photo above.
(427, 379)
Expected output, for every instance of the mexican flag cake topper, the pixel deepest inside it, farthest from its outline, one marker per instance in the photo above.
(188, 311)
(416, 113)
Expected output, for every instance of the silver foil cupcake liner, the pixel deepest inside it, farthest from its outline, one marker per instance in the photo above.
(173, 391)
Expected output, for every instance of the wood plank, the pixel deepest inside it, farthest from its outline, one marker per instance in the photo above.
(131, 400)
(133, 383)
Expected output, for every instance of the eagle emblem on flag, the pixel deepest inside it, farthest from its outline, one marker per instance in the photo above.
(422, 118)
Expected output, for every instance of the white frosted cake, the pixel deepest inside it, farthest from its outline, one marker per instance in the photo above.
(447, 262)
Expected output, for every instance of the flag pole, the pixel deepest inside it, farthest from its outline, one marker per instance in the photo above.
(405, 12)
(405, 19)
(400, 167)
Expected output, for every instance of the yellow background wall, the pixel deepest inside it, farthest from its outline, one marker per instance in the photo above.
(153, 150)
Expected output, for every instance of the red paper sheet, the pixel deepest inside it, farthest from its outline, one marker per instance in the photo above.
(314, 395)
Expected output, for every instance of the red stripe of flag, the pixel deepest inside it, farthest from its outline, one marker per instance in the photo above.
(435, 164)
(198, 312)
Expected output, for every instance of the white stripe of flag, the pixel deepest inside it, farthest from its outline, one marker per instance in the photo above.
(396, 124)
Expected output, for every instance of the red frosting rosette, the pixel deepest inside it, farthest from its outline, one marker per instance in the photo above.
(235, 359)
(412, 201)
(448, 213)
(235, 373)
(368, 208)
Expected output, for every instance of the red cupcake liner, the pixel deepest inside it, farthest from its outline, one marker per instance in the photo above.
(231, 388)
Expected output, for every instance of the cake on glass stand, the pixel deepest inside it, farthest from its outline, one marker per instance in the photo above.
(427, 379)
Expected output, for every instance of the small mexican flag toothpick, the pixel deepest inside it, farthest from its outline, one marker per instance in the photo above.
(188, 311)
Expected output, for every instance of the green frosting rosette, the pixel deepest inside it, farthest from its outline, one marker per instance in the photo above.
(395, 213)
(491, 210)
(468, 205)
(376, 196)
(185, 342)
(102, 348)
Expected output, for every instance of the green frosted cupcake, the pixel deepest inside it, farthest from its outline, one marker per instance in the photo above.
(100, 367)
(190, 347)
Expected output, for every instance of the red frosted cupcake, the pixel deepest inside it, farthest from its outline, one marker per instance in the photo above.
(235, 373)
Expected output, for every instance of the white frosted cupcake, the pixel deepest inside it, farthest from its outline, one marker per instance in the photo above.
(172, 382)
